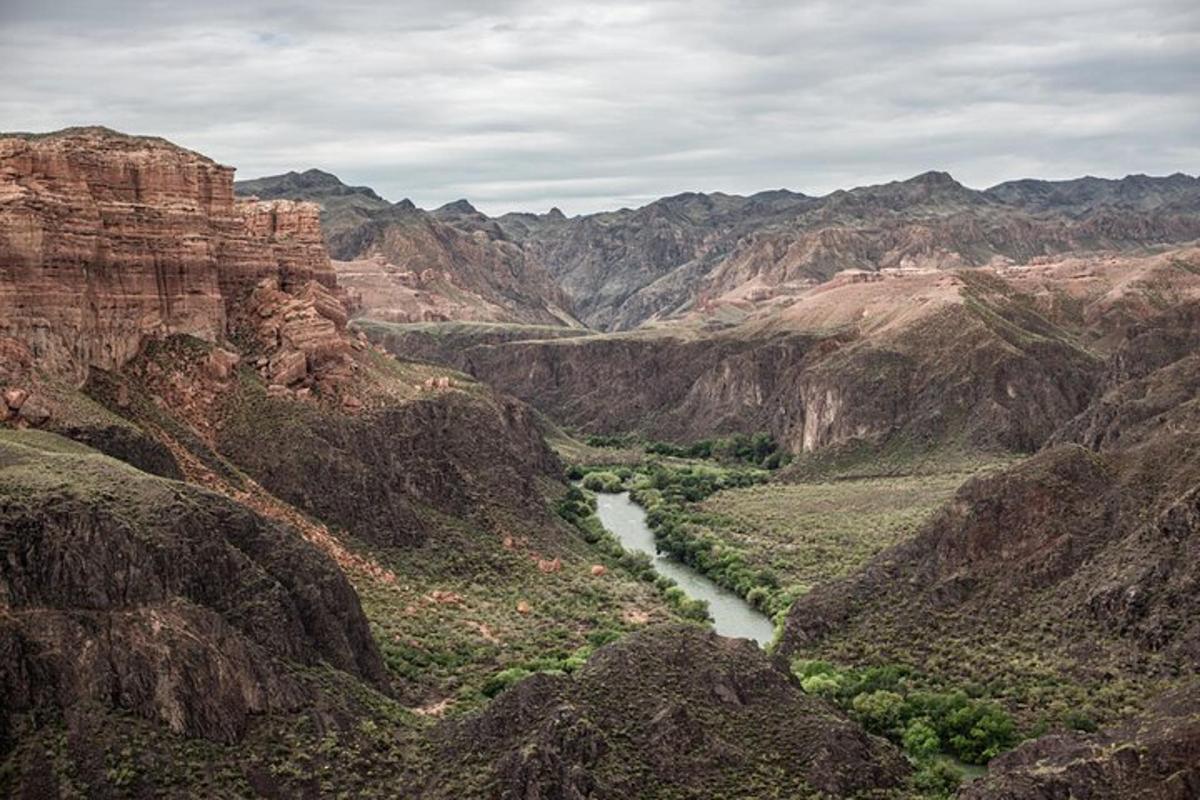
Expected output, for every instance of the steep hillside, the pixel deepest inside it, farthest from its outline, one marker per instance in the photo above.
(409, 265)
(665, 713)
(1062, 586)
(178, 605)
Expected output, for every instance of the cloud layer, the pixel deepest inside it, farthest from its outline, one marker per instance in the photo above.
(584, 105)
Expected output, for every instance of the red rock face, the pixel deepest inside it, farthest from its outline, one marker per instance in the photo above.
(106, 239)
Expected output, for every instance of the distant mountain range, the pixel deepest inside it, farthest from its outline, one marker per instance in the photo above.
(616, 270)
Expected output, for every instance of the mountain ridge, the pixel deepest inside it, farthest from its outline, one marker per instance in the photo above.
(624, 267)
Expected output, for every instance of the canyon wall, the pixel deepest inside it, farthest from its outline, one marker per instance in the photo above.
(106, 239)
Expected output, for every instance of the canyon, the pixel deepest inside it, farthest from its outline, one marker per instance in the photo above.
(286, 502)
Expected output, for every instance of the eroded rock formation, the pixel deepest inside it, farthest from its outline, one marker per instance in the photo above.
(107, 239)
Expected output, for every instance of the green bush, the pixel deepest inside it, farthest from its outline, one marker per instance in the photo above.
(504, 679)
(1080, 721)
(921, 740)
(607, 441)
(922, 722)
(879, 712)
(759, 449)
(821, 685)
(607, 482)
(937, 779)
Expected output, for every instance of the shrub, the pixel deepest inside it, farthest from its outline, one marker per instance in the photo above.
(607, 441)
(937, 779)
(822, 685)
(504, 679)
(1080, 721)
(607, 482)
(974, 731)
(575, 506)
(921, 740)
(880, 712)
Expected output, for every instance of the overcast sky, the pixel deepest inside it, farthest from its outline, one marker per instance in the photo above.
(593, 105)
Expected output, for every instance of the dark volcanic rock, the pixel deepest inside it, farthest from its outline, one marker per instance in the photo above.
(673, 706)
(1155, 756)
(454, 452)
(136, 593)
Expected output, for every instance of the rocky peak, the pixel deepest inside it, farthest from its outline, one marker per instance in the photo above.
(933, 190)
(458, 207)
(312, 184)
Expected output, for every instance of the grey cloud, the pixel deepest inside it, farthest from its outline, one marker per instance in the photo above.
(524, 105)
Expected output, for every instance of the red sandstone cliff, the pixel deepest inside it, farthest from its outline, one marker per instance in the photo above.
(106, 239)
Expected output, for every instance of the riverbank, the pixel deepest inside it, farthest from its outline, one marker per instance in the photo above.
(731, 615)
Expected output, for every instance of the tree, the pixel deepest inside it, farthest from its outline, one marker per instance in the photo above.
(921, 740)
(880, 711)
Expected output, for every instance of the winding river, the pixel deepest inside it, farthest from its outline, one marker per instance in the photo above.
(732, 615)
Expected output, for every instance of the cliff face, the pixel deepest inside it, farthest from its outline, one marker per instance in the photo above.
(929, 357)
(106, 239)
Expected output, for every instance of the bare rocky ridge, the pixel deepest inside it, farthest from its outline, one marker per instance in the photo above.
(623, 268)
(678, 253)
(409, 265)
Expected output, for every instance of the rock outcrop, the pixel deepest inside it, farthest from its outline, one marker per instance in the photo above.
(129, 592)
(674, 707)
(107, 239)
(929, 357)
(1155, 756)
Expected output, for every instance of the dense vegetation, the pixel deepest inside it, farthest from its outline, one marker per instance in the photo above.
(758, 449)
(926, 720)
